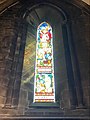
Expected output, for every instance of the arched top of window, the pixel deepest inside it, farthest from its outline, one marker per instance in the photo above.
(44, 25)
(44, 30)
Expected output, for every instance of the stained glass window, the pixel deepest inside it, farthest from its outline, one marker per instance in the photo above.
(44, 86)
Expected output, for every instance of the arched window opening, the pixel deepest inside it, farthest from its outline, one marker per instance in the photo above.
(46, 57)
(44, 86)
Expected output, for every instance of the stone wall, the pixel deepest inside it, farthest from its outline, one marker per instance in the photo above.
(80, 30)
(12, 43)
(7, 38)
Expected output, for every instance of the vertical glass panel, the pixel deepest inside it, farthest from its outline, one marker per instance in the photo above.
(44, 90)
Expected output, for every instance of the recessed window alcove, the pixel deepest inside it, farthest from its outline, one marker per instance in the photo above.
(63, 73)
